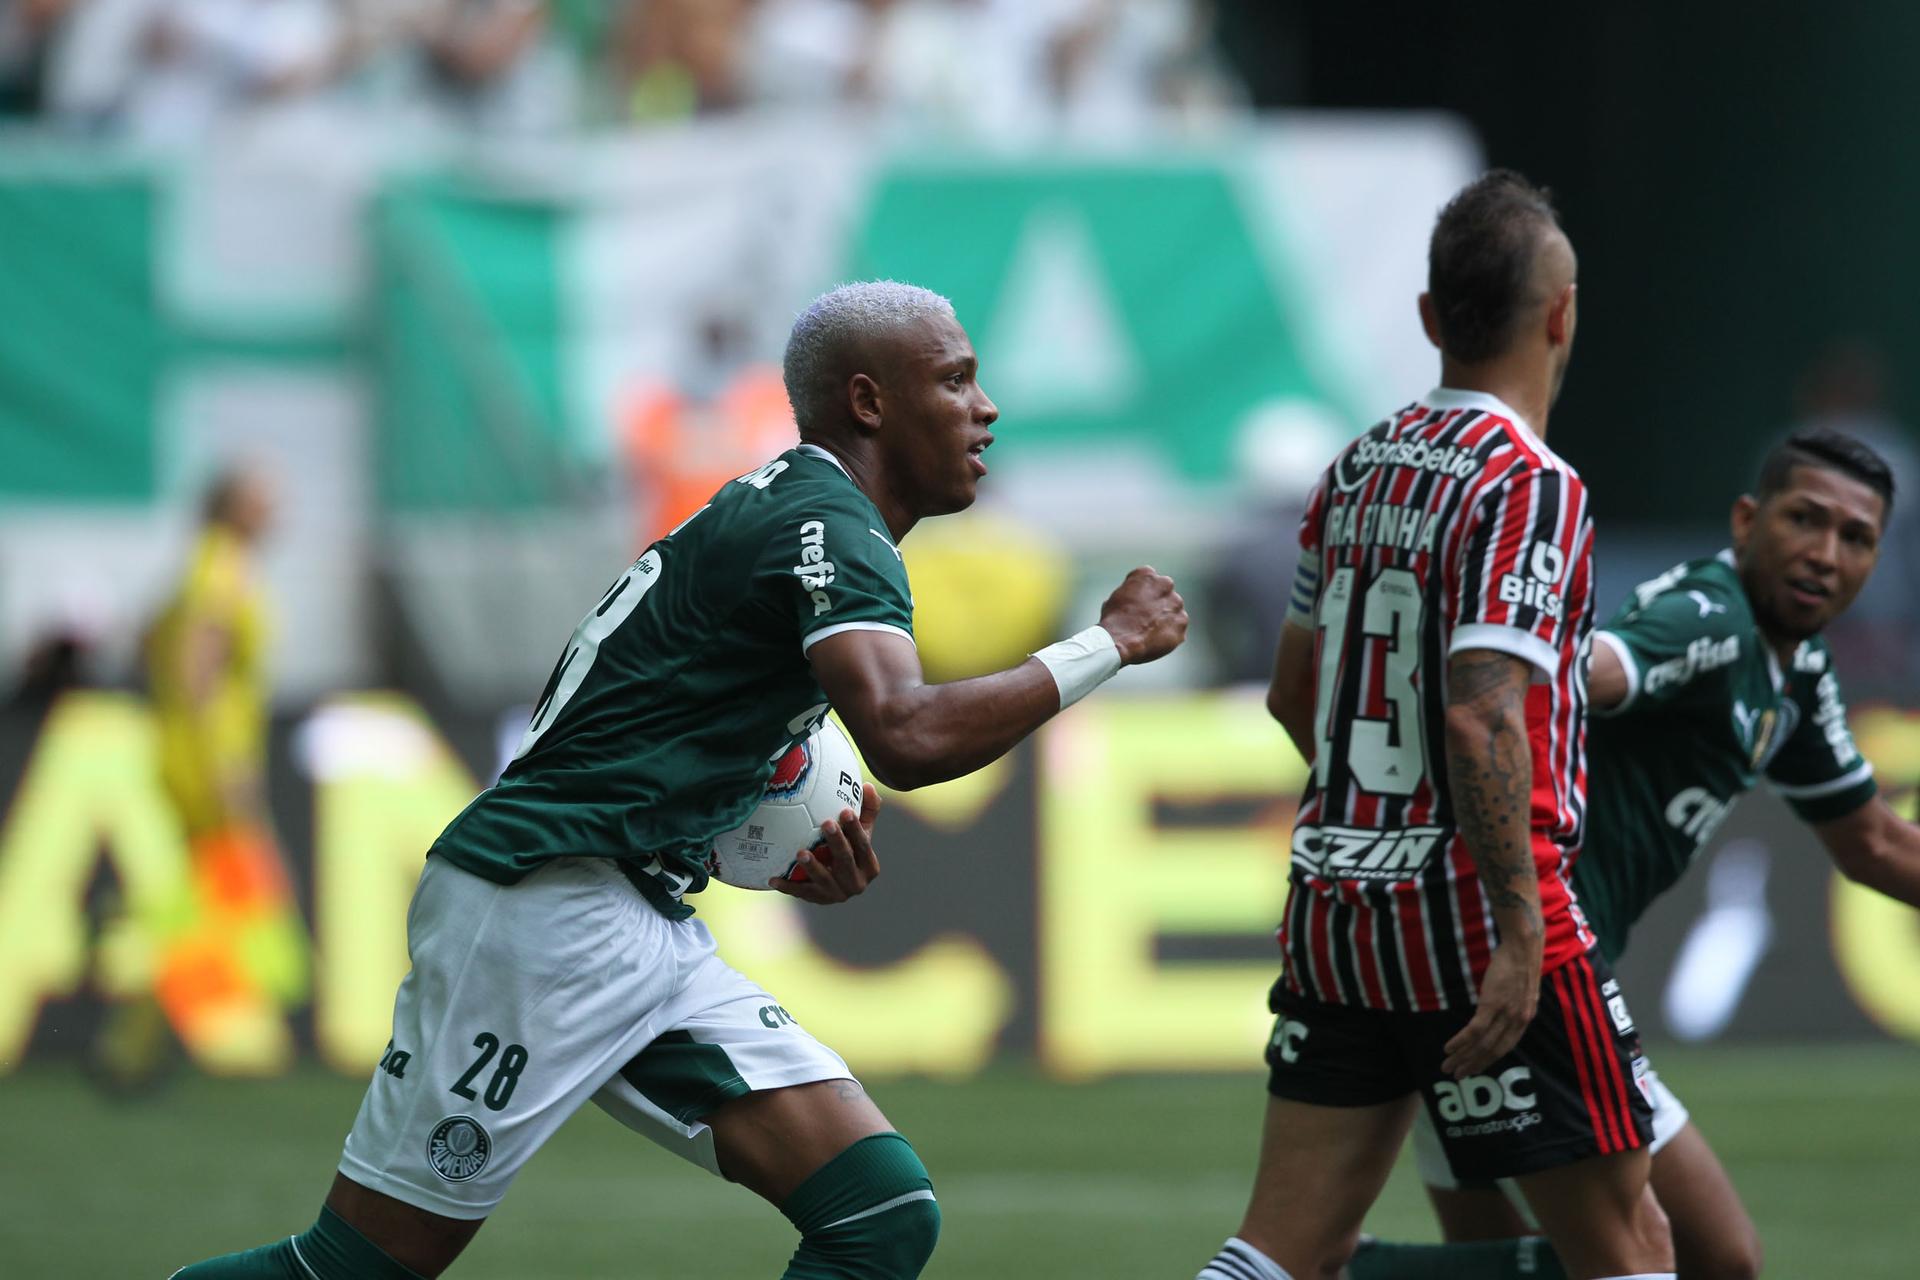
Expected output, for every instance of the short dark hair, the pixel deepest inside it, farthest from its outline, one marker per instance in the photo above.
(1833, 450)
(1480, 262)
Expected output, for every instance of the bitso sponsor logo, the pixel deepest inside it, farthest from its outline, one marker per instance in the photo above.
(1545, 564)
(458, 1148)
(815, 571)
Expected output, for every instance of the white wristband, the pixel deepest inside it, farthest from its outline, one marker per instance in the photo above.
(1081, 663)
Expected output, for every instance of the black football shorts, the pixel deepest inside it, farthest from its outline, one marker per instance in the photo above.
(1570, 1089)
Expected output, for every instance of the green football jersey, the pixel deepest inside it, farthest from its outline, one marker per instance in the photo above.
(1708, 711)
(680, 689)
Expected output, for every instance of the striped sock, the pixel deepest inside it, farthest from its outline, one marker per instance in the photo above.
(1238, 1260)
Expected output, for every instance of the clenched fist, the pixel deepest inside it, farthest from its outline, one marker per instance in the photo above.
(1145, 616)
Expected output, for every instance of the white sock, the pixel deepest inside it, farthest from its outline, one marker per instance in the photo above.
(1238, 1260)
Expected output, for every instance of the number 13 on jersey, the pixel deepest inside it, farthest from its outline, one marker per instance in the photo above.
(1386, 755)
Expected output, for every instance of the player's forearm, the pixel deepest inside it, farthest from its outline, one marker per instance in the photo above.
(1290, 695)
(1877, 849)
(934, 732)
(1490, 782)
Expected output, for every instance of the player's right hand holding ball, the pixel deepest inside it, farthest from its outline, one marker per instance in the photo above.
(1145, 616)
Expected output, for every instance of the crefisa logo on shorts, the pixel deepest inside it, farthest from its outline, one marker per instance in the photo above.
(458, 1148)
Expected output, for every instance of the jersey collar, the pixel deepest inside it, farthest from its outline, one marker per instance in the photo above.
(1455, 398)
(815, 451)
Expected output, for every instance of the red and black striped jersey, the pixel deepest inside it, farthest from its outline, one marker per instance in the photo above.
(1448, 526)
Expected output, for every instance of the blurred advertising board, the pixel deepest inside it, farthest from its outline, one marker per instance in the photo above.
(501, 340)
(1101, 901)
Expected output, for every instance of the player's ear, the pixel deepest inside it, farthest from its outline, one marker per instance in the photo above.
(1745, 508)
(1561, 314)
(863, 398)
(1428, 320)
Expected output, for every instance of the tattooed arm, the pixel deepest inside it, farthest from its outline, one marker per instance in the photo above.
(1490, 784)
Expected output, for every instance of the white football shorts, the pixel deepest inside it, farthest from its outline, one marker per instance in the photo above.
(525, 1000)
(1669, 1118)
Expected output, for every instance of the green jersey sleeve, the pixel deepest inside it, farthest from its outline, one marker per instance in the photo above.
(1673, 641)
(834, 569)
(1818, 769)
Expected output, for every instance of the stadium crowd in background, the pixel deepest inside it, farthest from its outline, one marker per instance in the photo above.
(168, 71)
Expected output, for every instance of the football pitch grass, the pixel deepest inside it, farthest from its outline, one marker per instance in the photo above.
(1134, 1177)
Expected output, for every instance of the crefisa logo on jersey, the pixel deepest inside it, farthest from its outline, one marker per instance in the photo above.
(815, 571)
(458, 1148)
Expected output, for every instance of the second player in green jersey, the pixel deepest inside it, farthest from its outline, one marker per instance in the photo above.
(1710, 678)
(1709, 708)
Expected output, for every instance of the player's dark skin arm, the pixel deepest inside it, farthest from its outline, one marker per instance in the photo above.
(1490, 784)
(1876, 847)
(912, 733)
(1290, 695)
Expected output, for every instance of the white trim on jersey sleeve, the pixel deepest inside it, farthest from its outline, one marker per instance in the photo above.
(1623, 652)
(1513, 640)
(1813, 791)
(812, 638)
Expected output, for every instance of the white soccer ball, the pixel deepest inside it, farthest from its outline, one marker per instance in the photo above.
(810, 785)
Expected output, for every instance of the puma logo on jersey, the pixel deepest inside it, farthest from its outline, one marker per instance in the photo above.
(1346, 853)
(1706, 606)
(815, 571)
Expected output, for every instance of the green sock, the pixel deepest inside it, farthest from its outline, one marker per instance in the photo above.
(1525, 1258)
(867, 1214)
(328, 1250)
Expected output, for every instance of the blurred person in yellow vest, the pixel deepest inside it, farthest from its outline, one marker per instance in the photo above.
(230, 954)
